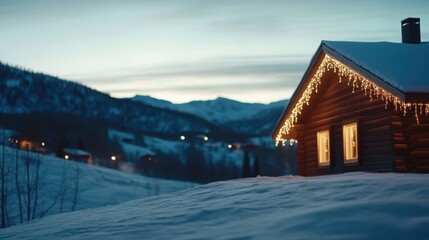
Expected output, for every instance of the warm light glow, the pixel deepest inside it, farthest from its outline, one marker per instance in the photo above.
(43, 144)
(350, 141)
(113, 158)
(229, 146)
(182, 138)
(355, 81)
(323, 152)
(66, 157)
(25, 144)
(206, 138)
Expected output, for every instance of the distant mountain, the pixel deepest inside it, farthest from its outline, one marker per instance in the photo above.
(153, 101)
(25, 92)
(260, 124)
(219, 111)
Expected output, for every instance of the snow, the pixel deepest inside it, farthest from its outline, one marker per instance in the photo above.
(98, 186)
(120, 136)
(11, 83)
(75, 151)
(162, 145)
(215, 151)
(219, 110)
(153, 101)
(347, 206)
(134, 152)
(404, 66)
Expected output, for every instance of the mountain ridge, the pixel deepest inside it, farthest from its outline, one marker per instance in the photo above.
(25, 92)
(220, 110)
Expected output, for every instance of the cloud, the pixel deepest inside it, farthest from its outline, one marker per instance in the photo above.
(254, 76)
(259, 66)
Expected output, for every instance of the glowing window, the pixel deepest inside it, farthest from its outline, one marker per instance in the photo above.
(323, 151)
(350, 140)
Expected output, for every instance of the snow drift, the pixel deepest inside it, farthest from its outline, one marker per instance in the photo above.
(347, 206)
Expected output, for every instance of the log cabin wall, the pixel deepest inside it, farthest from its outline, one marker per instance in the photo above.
(413, 153)
(334, 106)
(301, 150)
(400, 142)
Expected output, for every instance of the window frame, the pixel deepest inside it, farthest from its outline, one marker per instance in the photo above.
(356, 159)
(328, 162)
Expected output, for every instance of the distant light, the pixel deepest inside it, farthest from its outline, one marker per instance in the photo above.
(43, 144)
(113, 158)
(229, 146)
(206, 138)
(66, 157)
(16, 141)
(182, 138)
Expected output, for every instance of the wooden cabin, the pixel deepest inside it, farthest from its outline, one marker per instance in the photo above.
(362, 106)
(77, 155)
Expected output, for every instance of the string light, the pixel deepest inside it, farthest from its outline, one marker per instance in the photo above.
(355, 81)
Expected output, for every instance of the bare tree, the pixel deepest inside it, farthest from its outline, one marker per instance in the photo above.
(36, 186)
(3, 183)
(76, 187)
(18, 185)
(27, 170)
(60, 194)
(25, 182)
(32, 177)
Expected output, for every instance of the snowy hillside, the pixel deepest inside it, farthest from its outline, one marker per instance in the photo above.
(25, 92)
(348, 206)
(220, 110)
(95, 186)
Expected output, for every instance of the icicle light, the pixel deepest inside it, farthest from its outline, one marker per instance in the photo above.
(355, 81)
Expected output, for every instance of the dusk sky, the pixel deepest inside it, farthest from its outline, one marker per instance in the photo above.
(251, 51)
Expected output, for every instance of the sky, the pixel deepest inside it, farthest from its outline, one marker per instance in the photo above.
(184, 50)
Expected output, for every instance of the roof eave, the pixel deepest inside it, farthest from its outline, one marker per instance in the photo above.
(297, 92)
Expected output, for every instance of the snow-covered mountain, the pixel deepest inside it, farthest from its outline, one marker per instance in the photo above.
(346, 206)
(220, 110)
(24, 92)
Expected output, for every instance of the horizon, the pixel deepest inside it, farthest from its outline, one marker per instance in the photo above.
(186, 51)
(139, 95)
(212, 99)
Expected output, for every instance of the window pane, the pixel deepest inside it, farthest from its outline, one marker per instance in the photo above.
(323, 151)
(350, 139)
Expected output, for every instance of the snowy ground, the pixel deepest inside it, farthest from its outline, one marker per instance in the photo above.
(97, 186)
(347, 206)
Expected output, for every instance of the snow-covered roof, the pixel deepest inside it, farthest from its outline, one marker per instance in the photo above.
(76, 152)
(404, 66)
(397, 73)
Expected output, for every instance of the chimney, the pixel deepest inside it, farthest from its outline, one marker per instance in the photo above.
(410, 30)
